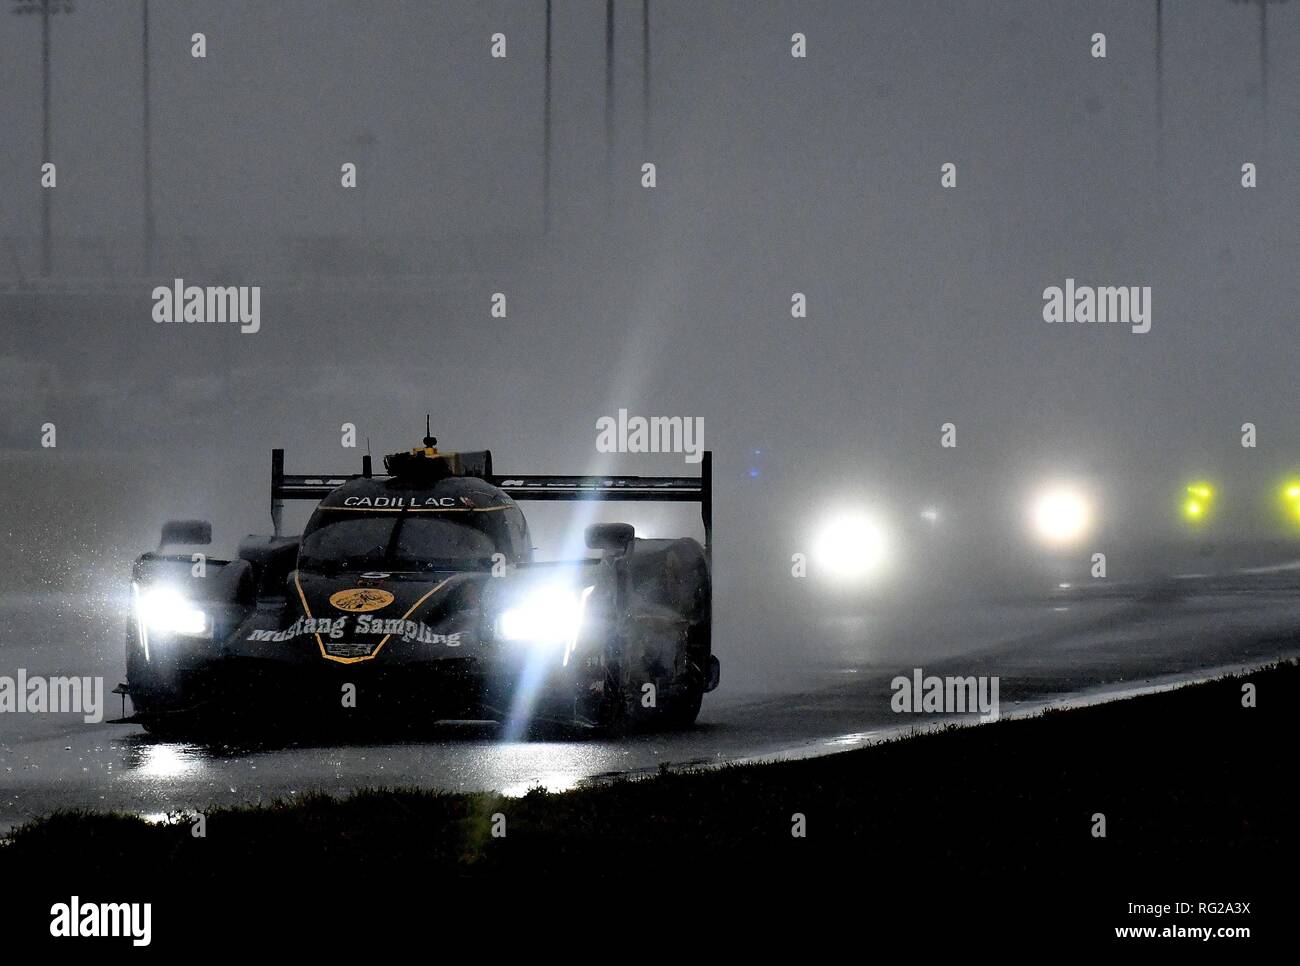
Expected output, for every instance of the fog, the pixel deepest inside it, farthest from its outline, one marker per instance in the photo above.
(775, 175)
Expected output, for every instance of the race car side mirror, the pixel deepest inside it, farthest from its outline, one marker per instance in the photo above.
(614, 537)
(185, 531)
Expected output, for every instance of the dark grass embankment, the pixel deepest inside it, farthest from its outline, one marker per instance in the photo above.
(1198, 793)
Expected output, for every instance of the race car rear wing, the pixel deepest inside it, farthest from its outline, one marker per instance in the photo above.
(666, 489)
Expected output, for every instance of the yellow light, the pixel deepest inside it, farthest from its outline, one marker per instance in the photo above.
(1200, 497)
(1290, 498)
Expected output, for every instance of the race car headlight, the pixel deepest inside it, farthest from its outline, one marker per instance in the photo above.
(165, 610)
(546, 618)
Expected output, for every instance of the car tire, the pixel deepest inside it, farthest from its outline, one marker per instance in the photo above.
(685, 708)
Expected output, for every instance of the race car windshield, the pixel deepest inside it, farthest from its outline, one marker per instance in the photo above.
(405, 541)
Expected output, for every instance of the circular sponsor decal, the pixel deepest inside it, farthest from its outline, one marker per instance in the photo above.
(361, 599)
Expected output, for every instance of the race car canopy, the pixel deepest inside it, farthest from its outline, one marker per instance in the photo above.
(671, 489)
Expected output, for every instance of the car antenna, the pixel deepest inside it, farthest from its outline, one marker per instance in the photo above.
(366, 468)
(430, 440)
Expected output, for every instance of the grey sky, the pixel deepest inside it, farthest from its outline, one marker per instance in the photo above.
(776, 175)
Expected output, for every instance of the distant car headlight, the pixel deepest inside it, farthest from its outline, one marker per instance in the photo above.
(1198, 503)
(850, 547)
(165, 610)
(1061, 515)
(548, 618)
(1290, 496)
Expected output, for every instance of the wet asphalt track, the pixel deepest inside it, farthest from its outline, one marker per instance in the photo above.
(824, 686)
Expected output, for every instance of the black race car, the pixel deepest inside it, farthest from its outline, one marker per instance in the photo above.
(414, 594)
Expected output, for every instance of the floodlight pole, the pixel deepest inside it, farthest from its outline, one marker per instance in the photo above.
(148, 142)
(609, 98)
(645, 75)
(546, 126)
(45, 134)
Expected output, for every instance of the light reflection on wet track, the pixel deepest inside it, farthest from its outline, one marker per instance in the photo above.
(832, 693)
